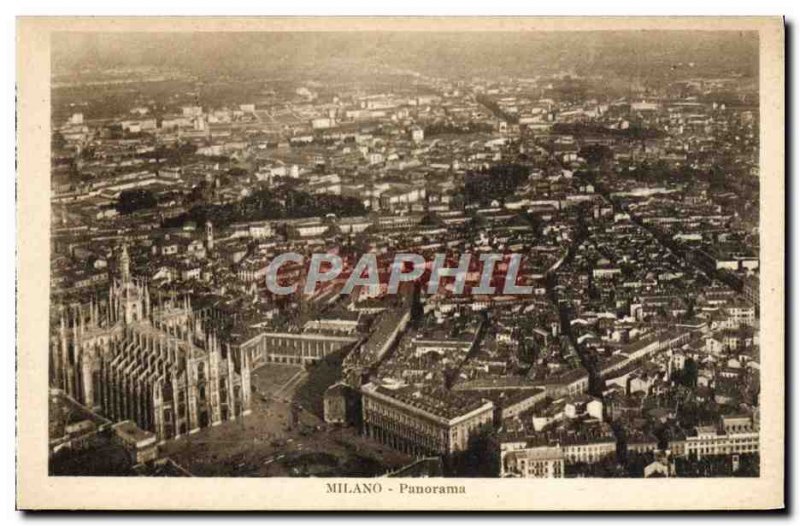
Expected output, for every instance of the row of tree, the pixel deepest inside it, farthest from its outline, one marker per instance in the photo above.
(266, 204)
(494, 183)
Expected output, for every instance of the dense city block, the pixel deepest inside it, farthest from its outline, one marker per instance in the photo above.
(631, 199)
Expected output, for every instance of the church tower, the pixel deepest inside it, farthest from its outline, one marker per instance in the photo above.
(209, 236)
(129, 296)
(125, 265)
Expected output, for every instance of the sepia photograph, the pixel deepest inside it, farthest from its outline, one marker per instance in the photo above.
(402, 263)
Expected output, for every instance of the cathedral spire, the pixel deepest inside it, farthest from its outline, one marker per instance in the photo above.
(147, 307)
(125, 264)
(62, 322)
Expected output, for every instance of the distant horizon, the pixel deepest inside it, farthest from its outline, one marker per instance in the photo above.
(641, 54)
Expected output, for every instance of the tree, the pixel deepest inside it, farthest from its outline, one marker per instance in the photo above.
(690, 307)
(417, 311)
(688, 376)
(528, 350)
(265, 204)
(494, 183)
(481, 458)
(596, 154)
(130, 201)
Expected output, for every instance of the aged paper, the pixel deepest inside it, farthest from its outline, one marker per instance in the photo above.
(400, 263)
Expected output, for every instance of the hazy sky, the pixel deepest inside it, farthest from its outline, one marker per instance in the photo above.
(465, 53)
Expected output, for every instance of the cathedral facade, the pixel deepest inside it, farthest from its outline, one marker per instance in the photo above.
(129, 358)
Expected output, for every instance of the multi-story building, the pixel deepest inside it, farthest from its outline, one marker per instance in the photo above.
(740, 312)
(287, 347)
(419, 423)
(709, 441)
(565, 383)
(518, 459)
(750, 289)
(547, 455)
(590, 450)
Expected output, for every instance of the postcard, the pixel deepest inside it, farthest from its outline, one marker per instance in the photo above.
(400, 263)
